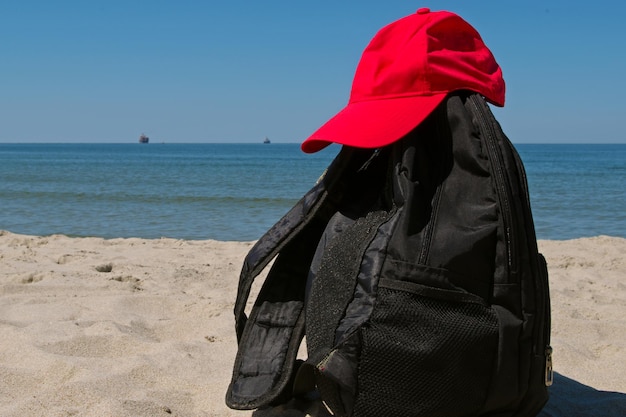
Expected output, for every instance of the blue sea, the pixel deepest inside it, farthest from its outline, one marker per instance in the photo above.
(237, 191)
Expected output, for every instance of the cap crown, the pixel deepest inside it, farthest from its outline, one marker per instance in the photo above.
(427, 53)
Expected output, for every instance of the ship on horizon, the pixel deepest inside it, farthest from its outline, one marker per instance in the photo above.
(143, 138)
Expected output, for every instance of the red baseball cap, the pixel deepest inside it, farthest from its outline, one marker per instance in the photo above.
(405, 72)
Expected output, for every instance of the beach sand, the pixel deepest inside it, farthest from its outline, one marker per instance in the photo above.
(133, 327)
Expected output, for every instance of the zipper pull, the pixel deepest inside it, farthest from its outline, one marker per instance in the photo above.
(549, 377)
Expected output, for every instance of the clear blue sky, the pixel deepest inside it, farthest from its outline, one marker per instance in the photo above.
(237, 71)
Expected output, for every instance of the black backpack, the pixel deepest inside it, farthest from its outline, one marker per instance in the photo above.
(413, 269)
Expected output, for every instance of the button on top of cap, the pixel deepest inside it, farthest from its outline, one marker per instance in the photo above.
(423, 10)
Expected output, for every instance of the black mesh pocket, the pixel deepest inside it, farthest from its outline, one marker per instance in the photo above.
(426, 352)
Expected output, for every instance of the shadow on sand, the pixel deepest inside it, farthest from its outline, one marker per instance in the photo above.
(568, 398)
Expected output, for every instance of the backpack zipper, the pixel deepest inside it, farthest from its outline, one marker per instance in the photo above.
(549, 375)
(500, 180)
(429, 229)
(542, 307)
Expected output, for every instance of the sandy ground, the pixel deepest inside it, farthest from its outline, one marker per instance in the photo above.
(133, 327)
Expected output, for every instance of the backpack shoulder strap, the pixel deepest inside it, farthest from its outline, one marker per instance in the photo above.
(268, 340)
(270, 245)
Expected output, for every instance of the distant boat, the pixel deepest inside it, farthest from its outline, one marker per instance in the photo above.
(266, 141)
(144, 139)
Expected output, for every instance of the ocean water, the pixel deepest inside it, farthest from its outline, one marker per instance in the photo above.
(237, 191)
(576, 190)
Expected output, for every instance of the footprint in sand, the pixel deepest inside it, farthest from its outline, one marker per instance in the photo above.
(135, 283)
(32, 278)
(105, 267)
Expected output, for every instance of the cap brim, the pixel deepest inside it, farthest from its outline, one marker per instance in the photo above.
(373, 124)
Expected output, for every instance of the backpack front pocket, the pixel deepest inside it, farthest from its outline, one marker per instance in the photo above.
(426, 351)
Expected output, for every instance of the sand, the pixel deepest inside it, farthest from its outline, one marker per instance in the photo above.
(133, 327)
